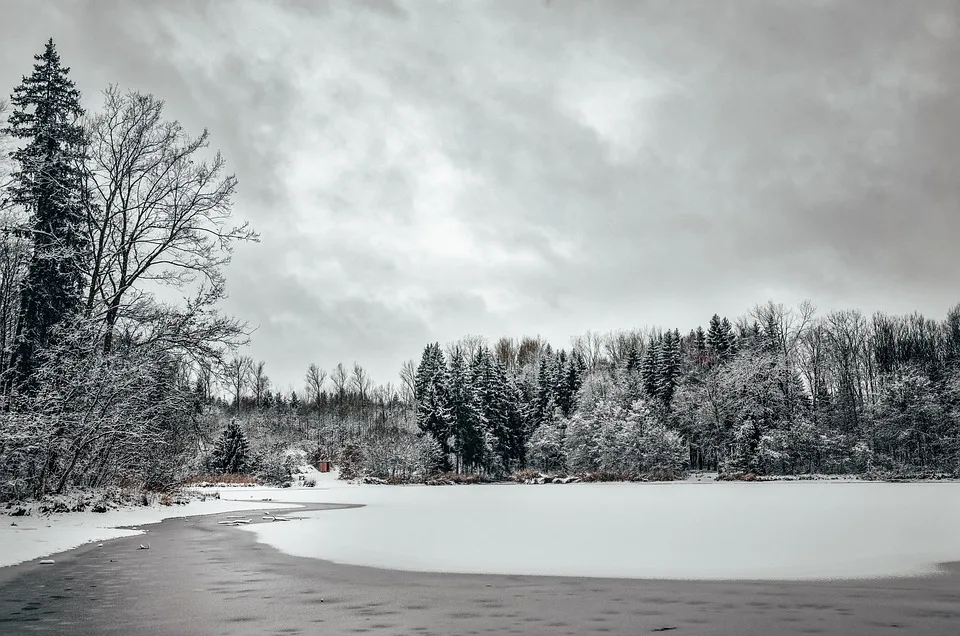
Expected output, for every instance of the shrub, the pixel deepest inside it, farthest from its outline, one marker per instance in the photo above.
(523, 476)
(351, 459)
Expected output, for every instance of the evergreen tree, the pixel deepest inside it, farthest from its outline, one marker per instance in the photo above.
(516, 423)
(491, 404)
(700, 340)
(430, 389)
(714, 340)
(571, 382)
(650, 367)
(720, 339)
(48, 184)
(459, 406)
(728, 339)
(668, 367)
(546, 385)
(232, 452)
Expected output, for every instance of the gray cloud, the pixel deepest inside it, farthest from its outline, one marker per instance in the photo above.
(424, 170)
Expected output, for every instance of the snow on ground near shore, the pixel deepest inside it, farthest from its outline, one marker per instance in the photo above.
(36, 536)
(772, 531)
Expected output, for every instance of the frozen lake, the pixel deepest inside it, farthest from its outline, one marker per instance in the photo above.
(805, 530)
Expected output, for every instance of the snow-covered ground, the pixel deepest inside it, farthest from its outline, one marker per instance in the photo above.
(36, 536)
(779, 530)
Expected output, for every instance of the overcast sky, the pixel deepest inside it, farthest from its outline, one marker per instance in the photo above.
(420, 171)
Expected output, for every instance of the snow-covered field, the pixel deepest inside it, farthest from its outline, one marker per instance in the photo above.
(806, 530)
(36, 536)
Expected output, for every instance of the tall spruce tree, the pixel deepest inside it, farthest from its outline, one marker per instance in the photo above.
(719, 339)
(459, 407)
(430, 394)
(48, 184)
(650, 366)
(668, 366)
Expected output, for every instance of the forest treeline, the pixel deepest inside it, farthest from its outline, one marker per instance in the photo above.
(117, 368)
(778, 390)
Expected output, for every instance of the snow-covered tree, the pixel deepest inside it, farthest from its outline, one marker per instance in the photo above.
(664, 451)
(232, 452)
(48, 184)
(430, 393)
(545, 449)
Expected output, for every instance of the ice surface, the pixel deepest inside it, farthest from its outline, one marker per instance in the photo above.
(28, 538)
(799, 530)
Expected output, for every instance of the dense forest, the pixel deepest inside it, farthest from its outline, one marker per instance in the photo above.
(103, 383)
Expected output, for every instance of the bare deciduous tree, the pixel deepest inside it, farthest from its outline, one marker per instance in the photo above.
(158, 212)
(505, 351)
(339, 378)
(530, 350)
(259, 381)
(237, 374)
(408, 382)
(314, 378)
(590, 347)
(360, 380)
(467, 345)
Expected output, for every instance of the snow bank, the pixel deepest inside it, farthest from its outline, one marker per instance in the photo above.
(28, 538)
(777, 530)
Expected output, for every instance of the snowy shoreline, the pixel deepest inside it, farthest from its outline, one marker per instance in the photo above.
(30, 537)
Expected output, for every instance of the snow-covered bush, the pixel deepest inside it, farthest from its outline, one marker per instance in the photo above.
(351, 461)
(430, 458)
(580, 444)
(545, 448)
(664, 452)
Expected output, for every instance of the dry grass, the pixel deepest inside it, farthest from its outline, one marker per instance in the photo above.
(605, 476)
(231, 479)
(527, 474)
(452, 479)
(738, 477)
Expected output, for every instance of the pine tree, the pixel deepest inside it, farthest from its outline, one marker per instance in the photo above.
(668, 367)
(458, 407)
(516, 441)
(700, 340)
(650, 367)
(430, 395)
(491, 404)
(728, 339)
(48, 184)
(232, 452)
(699, 344)
(546, 386)
(572, 380)
(720, 339)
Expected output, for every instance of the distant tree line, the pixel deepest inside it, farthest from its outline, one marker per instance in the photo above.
(776, 391)
(779, 391)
